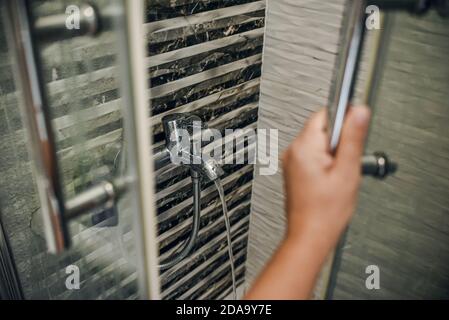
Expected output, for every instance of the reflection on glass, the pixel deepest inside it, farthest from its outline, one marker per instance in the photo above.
(81, 83)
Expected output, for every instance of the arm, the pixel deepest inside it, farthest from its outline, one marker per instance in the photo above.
(321, 193)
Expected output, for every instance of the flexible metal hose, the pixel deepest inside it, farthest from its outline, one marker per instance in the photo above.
(188, 244)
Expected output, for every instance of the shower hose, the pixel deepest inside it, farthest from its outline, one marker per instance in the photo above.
(190, 243)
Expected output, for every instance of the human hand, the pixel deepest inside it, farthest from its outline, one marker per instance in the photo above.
(321, 189)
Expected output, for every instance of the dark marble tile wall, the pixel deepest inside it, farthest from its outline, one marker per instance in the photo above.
(203, 57)
(209, 65)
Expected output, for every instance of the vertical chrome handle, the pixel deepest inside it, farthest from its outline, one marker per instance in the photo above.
(346, 69)
(36, 114)
(352, 38)
(343, 87)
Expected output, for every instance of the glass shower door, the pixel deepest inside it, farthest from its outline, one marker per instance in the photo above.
(401, 227)
(82, 80)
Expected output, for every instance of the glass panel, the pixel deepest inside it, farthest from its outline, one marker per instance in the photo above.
(402, 222)
(82, 85)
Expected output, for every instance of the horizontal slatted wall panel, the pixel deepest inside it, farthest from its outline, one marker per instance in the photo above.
(203, 57)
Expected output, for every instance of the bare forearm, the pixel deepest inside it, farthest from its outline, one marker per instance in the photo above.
(321, 192)
(292, 271)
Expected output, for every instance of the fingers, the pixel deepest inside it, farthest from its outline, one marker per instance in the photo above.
(350, 149)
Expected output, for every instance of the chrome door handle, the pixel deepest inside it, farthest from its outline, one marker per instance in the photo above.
(378, 164)
(346, 69)
(346, 72)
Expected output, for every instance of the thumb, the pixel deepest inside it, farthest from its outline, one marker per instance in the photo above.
(355, 129)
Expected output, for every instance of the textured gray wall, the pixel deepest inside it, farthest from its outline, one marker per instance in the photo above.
(301, 43)
(401, 224)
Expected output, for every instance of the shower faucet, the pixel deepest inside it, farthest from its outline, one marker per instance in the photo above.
(181, 147)
(181, 133)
